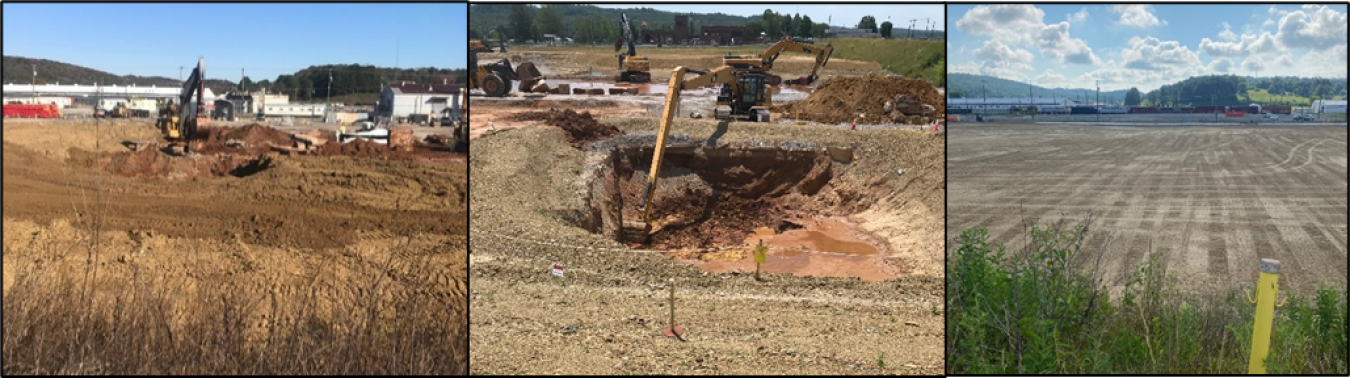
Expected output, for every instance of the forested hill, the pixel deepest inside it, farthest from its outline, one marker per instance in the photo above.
(1198, 90)
(19, 70)
(967, 85)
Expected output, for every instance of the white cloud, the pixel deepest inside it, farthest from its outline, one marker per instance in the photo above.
(1079, 16)
(1004, 21)
(1140, 16)
(1024, 24)
(1055, 42)
(1227, 33)
(997, 51)
(1317, 28)
(1254, 64)
(1221, 65)
(1250, 44)
(1328, 63)
(1050, 79)
(1152, 54)
(1285, 60)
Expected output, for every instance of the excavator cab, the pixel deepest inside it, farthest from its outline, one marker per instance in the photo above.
(743, 98)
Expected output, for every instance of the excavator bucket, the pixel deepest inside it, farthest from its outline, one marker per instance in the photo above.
(529, 75)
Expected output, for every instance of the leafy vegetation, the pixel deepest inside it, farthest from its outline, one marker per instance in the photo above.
(1040, 310)
(592, 24)
(922, 59)
(312, 83)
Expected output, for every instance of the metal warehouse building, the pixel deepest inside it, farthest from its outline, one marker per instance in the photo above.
(1006, 104)
(404, 99)
(1329, 106)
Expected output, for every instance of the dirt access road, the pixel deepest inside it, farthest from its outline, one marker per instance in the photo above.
(302, 225)
(1212, 201)
(529, 209)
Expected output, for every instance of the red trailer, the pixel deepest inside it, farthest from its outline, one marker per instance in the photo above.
(32, 111)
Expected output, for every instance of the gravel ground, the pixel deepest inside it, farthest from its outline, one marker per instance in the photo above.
(605, 317)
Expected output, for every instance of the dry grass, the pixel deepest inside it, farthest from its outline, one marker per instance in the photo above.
(76, 303)
(54, 324)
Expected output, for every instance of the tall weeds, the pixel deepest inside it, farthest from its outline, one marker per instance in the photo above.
(1040, 310)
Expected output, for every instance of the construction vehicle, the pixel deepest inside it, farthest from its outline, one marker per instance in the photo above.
(495, 78)
(179, 121)
(632, 68)
(763, 62)
(727, 76)
(745, 80)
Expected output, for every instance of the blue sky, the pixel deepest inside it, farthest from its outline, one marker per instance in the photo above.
(265, 40)
(1145, 46)
(846, 15)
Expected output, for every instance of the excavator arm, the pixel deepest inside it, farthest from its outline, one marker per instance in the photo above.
(822, 54)
(722, 75)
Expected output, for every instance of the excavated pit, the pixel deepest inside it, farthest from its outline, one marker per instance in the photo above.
(713, 201)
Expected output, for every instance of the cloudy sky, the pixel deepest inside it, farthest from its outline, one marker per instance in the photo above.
(1144, 46)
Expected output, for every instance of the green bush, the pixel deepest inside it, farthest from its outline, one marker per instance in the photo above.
(1040, 310)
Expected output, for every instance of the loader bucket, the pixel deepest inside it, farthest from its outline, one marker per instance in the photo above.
(528, 75)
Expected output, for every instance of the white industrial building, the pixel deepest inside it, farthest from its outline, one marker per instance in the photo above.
(61, 101)
(93, 91)
(294, 110)
(405, 99)
(1006, 104)
(1328, 106)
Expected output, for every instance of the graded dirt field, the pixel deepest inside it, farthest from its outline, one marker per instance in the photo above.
(539, 198)
(279, 232)
(1212, 201)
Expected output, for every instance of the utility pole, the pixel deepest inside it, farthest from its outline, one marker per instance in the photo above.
(1098, 105)
(1032, 100)
(34, 83)
(985, 105)
(180, 74)
(327, 95)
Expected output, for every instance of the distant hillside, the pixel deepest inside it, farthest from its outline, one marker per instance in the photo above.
(1198, 90)
(361, 82)
(589, 23)
(967, 85)
(484, 17)
(19, 70)
(350, 80)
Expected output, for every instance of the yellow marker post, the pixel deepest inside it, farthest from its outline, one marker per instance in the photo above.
(760, 252)
(1266, 289)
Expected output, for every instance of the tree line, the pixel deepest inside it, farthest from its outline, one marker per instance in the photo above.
(591, 24)
(312, 83)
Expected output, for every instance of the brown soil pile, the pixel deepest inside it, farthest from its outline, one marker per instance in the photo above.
(155, 163)
(841, 99)
(581, 128)
(256, 138)
(360, 148)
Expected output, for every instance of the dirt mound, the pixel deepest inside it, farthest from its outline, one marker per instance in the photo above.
(361, 148)
(581, 128)
(841, 99)
(155, 163)
(255, 139)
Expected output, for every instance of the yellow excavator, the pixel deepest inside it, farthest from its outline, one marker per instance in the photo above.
(726, 76)
(179, 121)
(632, 68)
(748, 97)
(763, 62)
(495, 78)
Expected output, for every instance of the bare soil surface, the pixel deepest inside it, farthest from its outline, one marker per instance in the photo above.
(842, 99)
(529, 212)
(297, 222)
(1212, 201)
